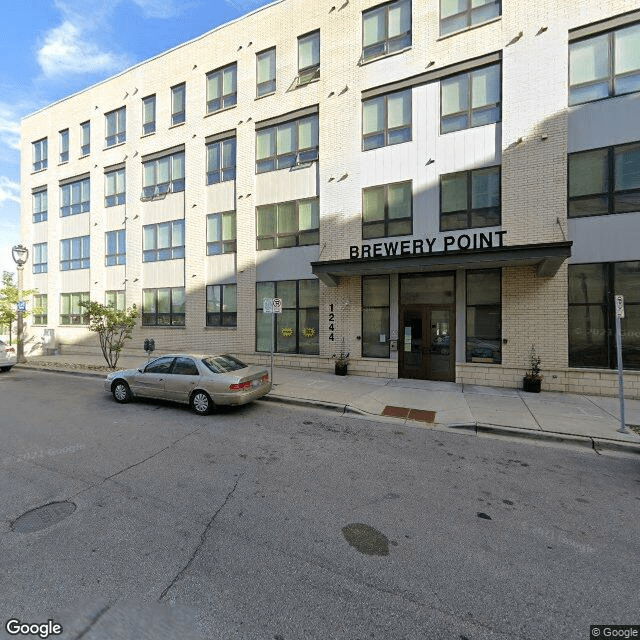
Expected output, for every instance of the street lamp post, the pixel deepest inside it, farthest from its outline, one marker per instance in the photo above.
(20, 254)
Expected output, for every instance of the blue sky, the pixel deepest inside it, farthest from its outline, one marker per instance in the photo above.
(50, 49)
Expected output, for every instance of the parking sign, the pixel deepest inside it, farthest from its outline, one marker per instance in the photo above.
(277, 305)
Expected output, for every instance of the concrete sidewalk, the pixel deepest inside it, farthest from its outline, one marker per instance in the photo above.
(590, 421)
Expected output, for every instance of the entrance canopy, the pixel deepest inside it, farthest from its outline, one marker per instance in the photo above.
(546, 257)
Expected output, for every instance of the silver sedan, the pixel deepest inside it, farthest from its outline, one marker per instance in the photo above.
(200, 381)
(8, 356)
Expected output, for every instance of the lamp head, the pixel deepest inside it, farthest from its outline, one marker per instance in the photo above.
(20, 253)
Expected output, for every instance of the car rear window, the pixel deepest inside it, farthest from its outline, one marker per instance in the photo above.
(223, 364)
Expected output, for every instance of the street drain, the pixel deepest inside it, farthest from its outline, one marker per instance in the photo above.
(43, 517)
(366, 539)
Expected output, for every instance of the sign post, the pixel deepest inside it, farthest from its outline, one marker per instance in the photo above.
(619, 304)
(272, 306)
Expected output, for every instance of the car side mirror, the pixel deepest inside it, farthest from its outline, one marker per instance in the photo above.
(140, 371)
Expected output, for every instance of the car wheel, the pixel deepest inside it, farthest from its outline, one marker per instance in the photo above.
(121, 391)
(5, 368)
(201, 403)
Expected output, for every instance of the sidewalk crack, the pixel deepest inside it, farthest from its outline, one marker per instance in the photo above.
(93, 622)
(203, 538)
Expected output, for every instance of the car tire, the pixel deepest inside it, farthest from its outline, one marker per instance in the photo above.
(5, 368)
(201, 403)
(121, 391)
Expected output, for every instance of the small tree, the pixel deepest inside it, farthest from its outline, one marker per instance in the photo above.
(113, 327)
(9, 297)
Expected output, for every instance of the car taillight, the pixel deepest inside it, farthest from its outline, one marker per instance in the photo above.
(10, 350)
(265, 378)
(240, 386)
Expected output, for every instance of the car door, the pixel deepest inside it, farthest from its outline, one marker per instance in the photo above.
(182, 379)
(151, 382)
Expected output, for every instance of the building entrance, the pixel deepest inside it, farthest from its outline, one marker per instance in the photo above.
(426, 340)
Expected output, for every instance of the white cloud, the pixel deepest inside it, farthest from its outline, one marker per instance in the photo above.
(9, 190)
(9, 128)
(159, 8)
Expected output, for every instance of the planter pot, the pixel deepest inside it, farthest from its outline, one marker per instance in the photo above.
(532, 385)
(341, 369)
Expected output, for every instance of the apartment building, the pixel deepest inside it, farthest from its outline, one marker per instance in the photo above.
(433, 186)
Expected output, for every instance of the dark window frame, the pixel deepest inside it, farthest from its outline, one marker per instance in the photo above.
(149, 127)
(386, 221)
(42, 214)
(75, 208)
(172, 252)
(119, 136)
(180, 116)
(495, 306)
(63, 137)
(175, 318)
(225, 100)
(388, 45)
(74, 318)
(40, 154)
(311, 72)
(224, 245)
(120, 256)
(266, 87)
(112, 200)
(300, 234)
(221, 318)
(468, 12)
(223, 173)
(42, 266)
(76, 262)
(85, 134)
(41, 300)
(365, 307)
(117, 292)
(387, 131)
(173, 185)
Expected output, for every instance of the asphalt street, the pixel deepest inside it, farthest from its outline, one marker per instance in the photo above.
(275, 522)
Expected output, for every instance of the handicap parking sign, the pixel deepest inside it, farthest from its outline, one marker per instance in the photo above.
(22, 305)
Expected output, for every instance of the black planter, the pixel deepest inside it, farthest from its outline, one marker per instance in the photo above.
(341, 369)
(532, 385)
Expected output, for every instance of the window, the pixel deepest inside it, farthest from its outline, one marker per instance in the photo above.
(375, 316)
(266, 72)
(386, 120)
(39, 204)
(163, 307)
(386, 29)
(484, 316)
(40, 305)
(288, 224)
(75, 197)
(184, 367)
(163, 175)
(604, 181)
(70, 310)
(222, 310)
(387, 210)
(308, 58)
(115, 247)
(40, 258)
(221, 161)
(592, 341)
(298, 325)
(148, 115)
(471, 99)
(85, 137)
(115, 299)
(116, 124)
(74, 253)
(64, 145)
(178, 103)
(222, 90)
(114, 188)
(40, 154)
(163, 241)
(456, 15)
(160, 365)
(221, 233)
(287, 145)
(605, 65)
(470, 199)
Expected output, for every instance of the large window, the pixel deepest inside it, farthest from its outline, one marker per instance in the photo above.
(387, 210)
(114, 188)
(75, 253)
(115, 299)
(605, 65)
(296, 328)
(592, 337)
(222, 88)
(116, 127)
(386, 120)
(116, 247)
(287, 145)
(85, 138)
(40, 154)
(40, 258)
(603, 181)
(178, 103)
(386, 29)
(149, 115)
(222, 309)
(40, 308)
(288, 224)
(75, 197)
(456, 15)
(40, 206)
(221, 233)
(163, 307)
(375, 316)
(484, 316)
(308, 58)
(221, 161)
(266, 72)
(470, 199)
(64, 145)
(163, 241)
(163, 175)
(471, 99)
(70, 310)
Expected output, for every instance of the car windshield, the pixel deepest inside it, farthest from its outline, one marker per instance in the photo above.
(223, 364)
